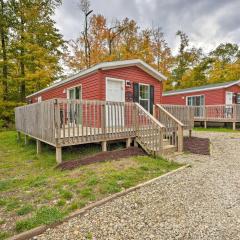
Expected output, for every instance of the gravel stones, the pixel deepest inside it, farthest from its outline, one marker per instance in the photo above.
(200, 202)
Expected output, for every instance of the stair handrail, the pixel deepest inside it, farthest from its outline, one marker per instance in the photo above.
(179, 129)
(155, 131)
(170, 115)
(150, 116)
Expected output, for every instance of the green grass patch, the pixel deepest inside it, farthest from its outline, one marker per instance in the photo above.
(4, 235)
(44, 215)
(34, 179)
(215, 129)
(25, 210)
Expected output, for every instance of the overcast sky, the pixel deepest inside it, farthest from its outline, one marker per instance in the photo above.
(206, 22)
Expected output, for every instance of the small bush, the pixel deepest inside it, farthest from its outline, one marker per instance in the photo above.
(7, 115)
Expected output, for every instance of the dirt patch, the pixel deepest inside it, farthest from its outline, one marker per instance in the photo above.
(102, 157)
(197, 145)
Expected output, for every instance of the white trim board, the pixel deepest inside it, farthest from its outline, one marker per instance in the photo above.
(200, 90)
(106, 66)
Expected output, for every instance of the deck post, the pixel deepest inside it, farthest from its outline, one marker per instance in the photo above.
(128, 142)
(205, 124)
(135, 144)
(18, 136)
(39, 146)
(59, 155)
(104, 146)
(190, 133)
(25, 139)
(180, 138)
(234, 125)
(154, 110)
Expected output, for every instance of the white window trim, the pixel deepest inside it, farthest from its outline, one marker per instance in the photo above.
(70, 88)
(195, 96)
(117, 80)
(144, 84)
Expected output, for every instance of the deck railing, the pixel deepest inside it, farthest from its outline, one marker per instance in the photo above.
(62, 122)
(83, 121)
(37, 120)
(185, 114)
(173, 131)
(224, 113)
(149, 131)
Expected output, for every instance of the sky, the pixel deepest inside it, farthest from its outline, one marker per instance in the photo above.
(207, 22)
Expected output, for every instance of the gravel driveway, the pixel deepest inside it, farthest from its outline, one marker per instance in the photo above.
(201, 202)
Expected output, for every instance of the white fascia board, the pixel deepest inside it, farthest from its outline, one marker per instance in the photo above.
(200, 90)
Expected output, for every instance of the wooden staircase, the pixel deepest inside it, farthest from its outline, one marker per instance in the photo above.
(158, 137)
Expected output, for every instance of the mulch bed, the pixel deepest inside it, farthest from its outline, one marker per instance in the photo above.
(102, 157)
(197, 145)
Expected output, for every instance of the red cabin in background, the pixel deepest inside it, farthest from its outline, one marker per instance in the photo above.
(119, 81)
(215, 94)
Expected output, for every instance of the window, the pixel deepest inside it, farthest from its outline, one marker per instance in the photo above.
(195, 100)
(144, 96)
(198, 102)
(75, 93)
(74, 111)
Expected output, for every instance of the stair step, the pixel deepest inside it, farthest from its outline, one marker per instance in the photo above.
(169, 149)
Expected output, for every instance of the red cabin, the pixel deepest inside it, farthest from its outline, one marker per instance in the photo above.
(214, 94)
(119, 81)
(211, 103)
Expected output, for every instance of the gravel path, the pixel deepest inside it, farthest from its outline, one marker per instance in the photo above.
(201, 202)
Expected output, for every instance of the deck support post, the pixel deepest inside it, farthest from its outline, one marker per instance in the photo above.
(190, 133)
(180, 138)
(128, 142)
(39, 146)
(25, 139)
(234, 125)
(135, 144)
(205, 124)
(59, 155)
(104, 146)
(18, 136)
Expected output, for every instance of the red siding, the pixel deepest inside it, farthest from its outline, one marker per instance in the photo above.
(93, 86)
(134, 74)
(212, 97)
(90, 88)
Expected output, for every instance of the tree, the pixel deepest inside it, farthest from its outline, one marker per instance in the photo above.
(161, 51)
(36, 44)
(186, 59)
(85, 8)
(4, 27)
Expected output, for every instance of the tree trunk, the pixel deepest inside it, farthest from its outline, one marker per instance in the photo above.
(4, 54)
(22, 65)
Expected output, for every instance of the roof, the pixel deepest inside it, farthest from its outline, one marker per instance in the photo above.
(202, 88)
(105, 66)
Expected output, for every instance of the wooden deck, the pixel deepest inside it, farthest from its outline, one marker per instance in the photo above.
(61, 122)
(217, 113)
(209, 113)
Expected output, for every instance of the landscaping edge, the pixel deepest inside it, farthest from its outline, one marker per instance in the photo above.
(41, 229)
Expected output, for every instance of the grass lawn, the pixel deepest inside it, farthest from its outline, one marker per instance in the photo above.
(215, 129)
(33, 192)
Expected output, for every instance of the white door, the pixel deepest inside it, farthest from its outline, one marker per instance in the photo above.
(115, 93)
